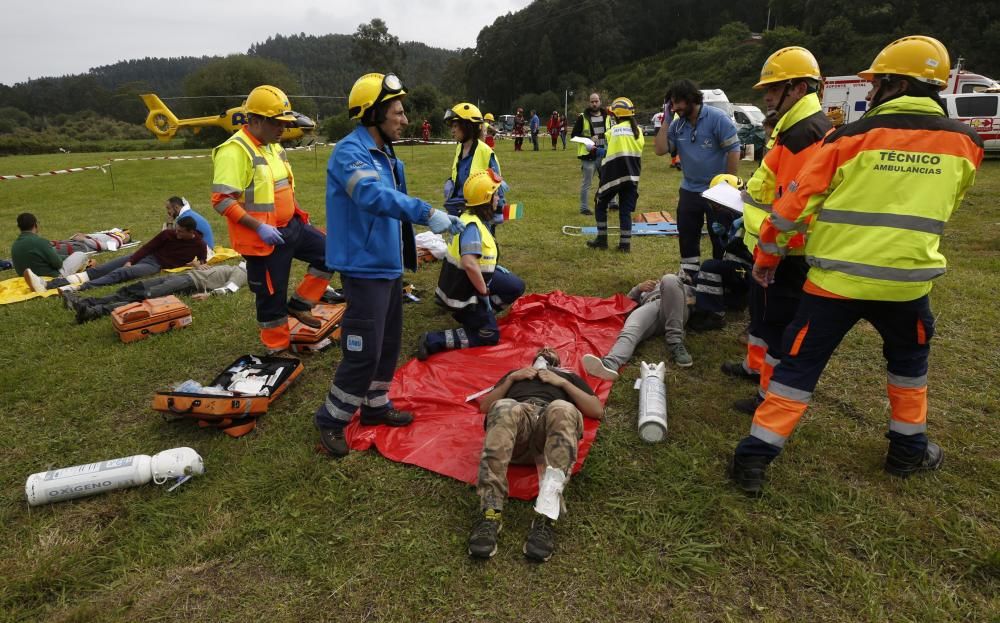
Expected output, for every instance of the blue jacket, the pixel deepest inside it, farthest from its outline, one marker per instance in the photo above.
(369, 216)
(202, 225)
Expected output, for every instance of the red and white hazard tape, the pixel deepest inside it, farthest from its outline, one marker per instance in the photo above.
(22, 176)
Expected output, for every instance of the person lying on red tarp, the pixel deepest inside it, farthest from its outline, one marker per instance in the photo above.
(533, 415)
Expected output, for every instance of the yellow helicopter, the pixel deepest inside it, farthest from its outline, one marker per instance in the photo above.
(164, 124)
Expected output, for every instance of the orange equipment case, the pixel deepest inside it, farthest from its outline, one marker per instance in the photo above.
(137, 321)
(309, 339)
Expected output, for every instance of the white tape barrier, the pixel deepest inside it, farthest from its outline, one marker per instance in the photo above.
(104, 167)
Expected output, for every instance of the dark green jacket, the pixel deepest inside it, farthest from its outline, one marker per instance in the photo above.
(32, 251)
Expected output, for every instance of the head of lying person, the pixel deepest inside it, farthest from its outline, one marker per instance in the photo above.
(549, 356)
(186, 228)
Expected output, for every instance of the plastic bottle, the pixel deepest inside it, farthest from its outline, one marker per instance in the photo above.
(79, 481)
(652, 402)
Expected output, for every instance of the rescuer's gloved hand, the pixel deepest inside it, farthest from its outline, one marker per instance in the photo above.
(440, 222)
(270, 234)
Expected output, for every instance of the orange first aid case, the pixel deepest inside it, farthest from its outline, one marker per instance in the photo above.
(309, 339)
(235, 415)
(137, 321)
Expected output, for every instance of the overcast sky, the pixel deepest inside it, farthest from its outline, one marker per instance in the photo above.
(57, 37)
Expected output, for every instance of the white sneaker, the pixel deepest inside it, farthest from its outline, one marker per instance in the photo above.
(36, 283)
(595, 367)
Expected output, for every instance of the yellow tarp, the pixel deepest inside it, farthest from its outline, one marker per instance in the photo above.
(15, 290)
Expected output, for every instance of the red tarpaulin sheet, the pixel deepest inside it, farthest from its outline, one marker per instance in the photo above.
(447, 433)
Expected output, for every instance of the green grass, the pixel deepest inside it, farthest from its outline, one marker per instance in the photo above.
(276, 532)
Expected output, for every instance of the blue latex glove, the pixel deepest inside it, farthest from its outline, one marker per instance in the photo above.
(440, 222)
(270, 234)
(719, 229)
(601, 152)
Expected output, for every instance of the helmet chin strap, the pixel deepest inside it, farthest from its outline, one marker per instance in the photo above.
(784, 93)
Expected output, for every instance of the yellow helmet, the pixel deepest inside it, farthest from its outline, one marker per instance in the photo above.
(489, 117)
(271, 102)
(371, 90)
(480, 186)
(463, 110)
(622, 107)
(923, 58)
(787, 64)
(728, 178)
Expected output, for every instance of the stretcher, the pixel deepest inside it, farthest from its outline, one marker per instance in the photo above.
(638, 229)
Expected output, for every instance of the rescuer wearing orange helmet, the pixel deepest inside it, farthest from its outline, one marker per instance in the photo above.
(254, 189)
(879, 193)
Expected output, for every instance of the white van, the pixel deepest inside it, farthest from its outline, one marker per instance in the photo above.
(716, 98)
(747, 116)
(980, 111)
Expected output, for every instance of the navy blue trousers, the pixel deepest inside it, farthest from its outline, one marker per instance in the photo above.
(370, 339)
(479, 321)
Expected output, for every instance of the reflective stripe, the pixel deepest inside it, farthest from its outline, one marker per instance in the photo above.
(620, 180)
(768, 436)
(784, 225)
(710, 276)
(709, 289)
(282, 183)
(298, 297)
(886, 273)
(747, 199)
(729, 257)
(463, 338)
(694, 259)
(770, 248)
(226, 190)
(622, 154)
(771, 361)
(690, 268)
(904, 428)
(270, 324)
(896, 221)
(789, 392)
(377, 401)
(249, 206)
(356, 177)
(753, 340)
(224, 204)
(379, 386)
(321, 274)
(337, 413)
(454, 303)
(909, 382)
(344, 397)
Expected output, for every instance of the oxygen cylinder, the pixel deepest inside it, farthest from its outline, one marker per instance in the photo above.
(652, 402)
(79, 481)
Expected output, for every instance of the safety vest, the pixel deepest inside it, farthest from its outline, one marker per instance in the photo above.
(797, 136)
(481, 154)
(264, 170)
(588, 132)
(882, 189)
(454, 288)
(623, 161)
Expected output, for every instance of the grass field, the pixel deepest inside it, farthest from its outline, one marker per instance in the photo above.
(276, 532)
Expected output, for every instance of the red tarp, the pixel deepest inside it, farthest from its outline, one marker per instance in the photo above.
(447, 433)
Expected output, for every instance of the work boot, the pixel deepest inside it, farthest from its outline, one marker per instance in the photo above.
(748, 405)
(599, 368)
(624, 248)
(587, 212)
(389, 418)
(71, 300)
(86, 313)
(706, 321)
(541, 540)
(905, 464)
(748, 472)
(736, 369)
(483, 539)
(601, 242)
(306, 317)
(422, 353)
(333, 295)
(679, 353)
(333, 442)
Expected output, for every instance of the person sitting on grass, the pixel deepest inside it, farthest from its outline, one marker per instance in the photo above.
(534, 415)
(31, 252)
(203, 282)
(171, 248)
(472, 285)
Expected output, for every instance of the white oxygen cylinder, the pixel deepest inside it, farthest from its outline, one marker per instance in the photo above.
(652, 402)
(79, 481)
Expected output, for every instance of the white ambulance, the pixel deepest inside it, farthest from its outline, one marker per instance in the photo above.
(980, 111)
(844, 96)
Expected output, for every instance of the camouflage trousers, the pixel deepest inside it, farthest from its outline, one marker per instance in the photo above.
(525, 433)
